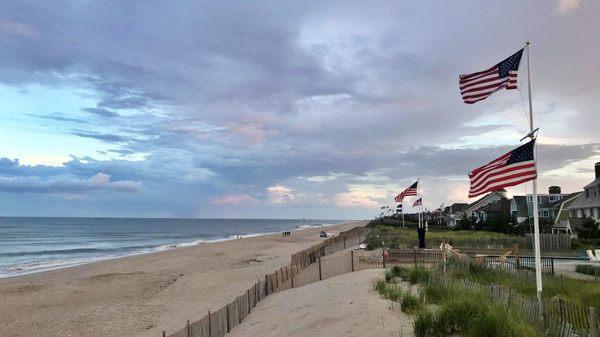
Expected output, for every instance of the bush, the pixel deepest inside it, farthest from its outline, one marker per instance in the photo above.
(411, 303)
(434, 293)
(380, 287)
(587, 269)
(417, 274)
(394, 293)
(424, 324)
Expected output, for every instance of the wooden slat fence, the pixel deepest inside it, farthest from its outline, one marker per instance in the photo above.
(550, 242)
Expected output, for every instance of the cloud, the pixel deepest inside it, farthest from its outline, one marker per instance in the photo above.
(565, 6)
(66, 184)
(105, 137)
(281, 195)
(235, 199)
(101, 112)
(360, 196)
(213, 103)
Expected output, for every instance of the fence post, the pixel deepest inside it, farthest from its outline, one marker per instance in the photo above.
(248, 297)
(383, 257)
(227, 317)
(187, 329)
(352, 258)
(509, 297)
(266, 285)
(344, 242)
(517, 259)
(209, 325)
(593, 322)
(552, 264)
(415, 256)
(320, 275)
(164, 334)
(444, 254)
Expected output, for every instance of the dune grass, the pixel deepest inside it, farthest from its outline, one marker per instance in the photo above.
(582, 292)
(463, 313)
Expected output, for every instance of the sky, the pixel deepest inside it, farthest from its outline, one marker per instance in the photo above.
(281, 109)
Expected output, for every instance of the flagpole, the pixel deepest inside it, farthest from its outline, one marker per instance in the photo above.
(536, 219)
(418, 196)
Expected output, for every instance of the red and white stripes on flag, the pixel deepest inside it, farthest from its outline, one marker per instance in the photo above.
(513, 168)
(411, 191)
(480, 85)
(418, 202)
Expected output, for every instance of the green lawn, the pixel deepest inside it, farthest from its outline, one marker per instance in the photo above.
(407, 238)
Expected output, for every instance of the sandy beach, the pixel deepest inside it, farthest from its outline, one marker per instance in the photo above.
(344, 305)
(144, 294)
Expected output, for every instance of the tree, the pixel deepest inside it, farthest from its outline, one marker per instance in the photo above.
(589, 230)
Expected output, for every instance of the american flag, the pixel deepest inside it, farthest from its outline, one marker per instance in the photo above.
(418, 202)
(412, 190)
(480, 85)
(513, 168)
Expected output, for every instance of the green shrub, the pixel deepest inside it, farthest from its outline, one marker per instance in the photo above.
(380, 287)
(388, 276)
(424, 324)
(456, 313)
(417, 274)
(587, 269)
(411, 303)
(394, 293)
(435, 293)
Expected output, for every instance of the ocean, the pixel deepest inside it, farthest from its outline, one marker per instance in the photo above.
(30, 245)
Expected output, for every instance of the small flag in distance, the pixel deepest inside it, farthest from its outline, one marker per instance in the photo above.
(411, 191)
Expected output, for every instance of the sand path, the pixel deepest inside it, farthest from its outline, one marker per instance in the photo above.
(343, 305)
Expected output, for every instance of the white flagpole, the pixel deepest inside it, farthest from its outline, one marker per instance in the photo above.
(536, 219)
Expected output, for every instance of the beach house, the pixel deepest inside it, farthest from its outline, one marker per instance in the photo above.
(476, 208)
(587, 203)
(521, 207)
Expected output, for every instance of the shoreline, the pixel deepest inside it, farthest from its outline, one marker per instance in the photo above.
(157, 249)
(142, 295)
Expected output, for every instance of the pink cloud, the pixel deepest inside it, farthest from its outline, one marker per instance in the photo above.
(234, 199)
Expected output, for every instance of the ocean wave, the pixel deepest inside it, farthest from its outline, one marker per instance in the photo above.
(75, 251)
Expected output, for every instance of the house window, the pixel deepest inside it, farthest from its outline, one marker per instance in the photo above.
(552, 198)
(545, 213)
(587, 193)
(529, 198)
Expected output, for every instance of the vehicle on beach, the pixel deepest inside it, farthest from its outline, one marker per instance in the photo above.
(326, 235)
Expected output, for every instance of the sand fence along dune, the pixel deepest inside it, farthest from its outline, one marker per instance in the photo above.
(308, 266)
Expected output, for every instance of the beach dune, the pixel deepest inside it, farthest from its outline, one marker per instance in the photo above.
(144, 294)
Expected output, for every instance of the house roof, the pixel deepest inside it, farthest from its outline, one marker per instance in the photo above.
(455, 207)
(593, 183)
(582, 202)
(472, 207)
(500, 206)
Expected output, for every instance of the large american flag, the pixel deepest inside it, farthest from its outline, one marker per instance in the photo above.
(480, 85)
(411, 191)
(513, 168)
